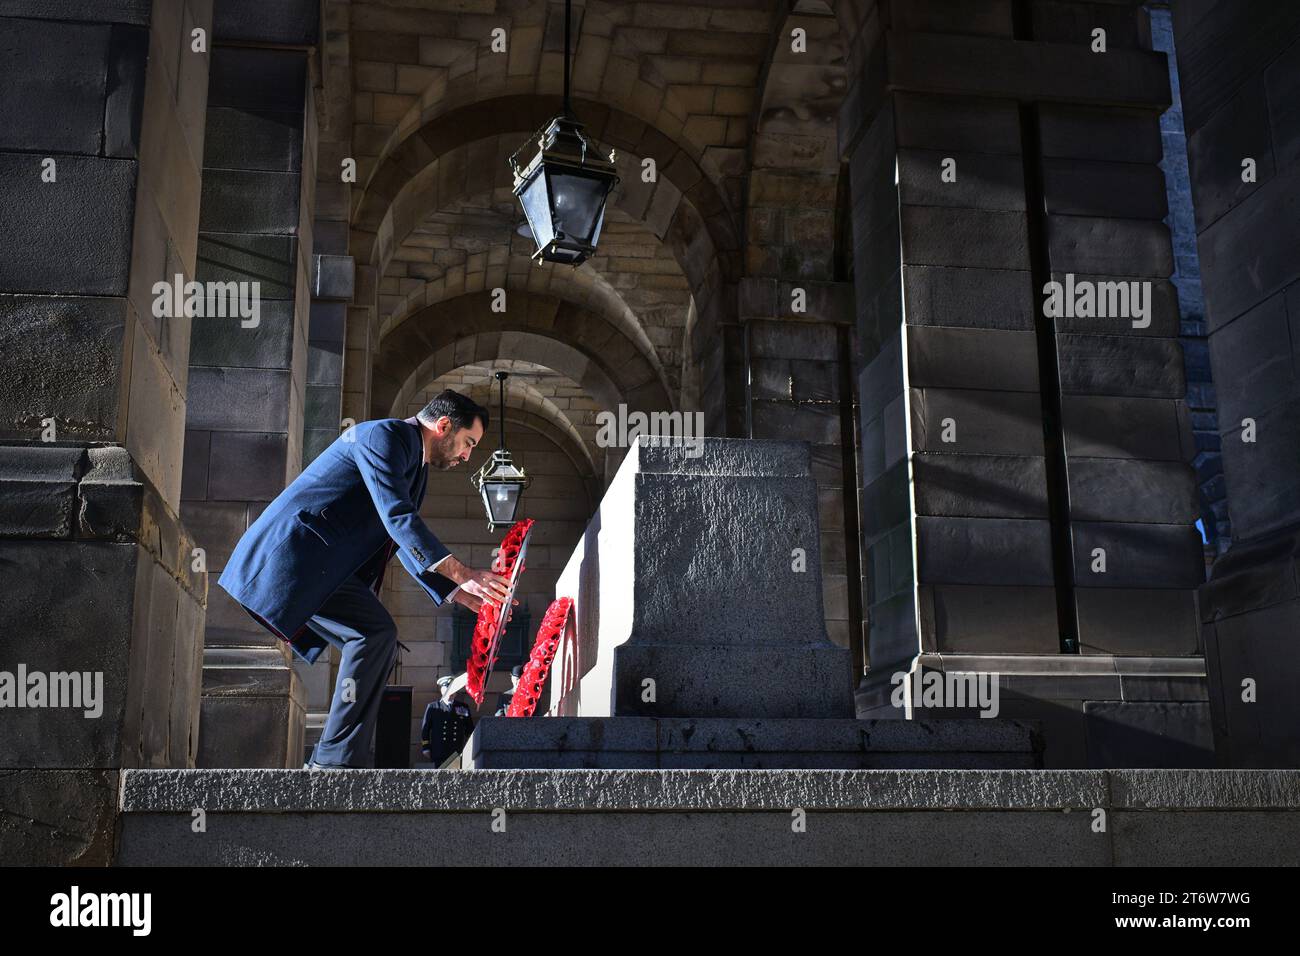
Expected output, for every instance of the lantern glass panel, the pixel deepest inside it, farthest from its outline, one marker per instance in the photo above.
(577, 202)
(537, 207)
(501, 498)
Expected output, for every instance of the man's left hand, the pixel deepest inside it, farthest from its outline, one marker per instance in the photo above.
(473, 602)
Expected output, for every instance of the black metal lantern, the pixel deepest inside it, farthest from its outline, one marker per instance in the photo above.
(499, 482)
(563, 189)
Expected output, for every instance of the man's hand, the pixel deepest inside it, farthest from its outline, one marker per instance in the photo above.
(467, 600)
(484, 585)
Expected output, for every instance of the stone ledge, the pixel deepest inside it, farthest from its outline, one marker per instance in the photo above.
(746, 743)
(470, 791)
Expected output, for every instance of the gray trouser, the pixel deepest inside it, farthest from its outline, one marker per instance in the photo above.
(354, 621)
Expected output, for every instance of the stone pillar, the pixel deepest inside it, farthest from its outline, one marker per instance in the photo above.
(726, 615)
(245, 426)
(1006, 451)
(1240, 72)
(101, 139)
(798, 376)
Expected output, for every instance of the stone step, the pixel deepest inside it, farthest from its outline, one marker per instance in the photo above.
(684, 743)
(714, 817)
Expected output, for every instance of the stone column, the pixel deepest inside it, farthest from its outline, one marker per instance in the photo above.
(1007, 452)
(101, 139)
(245, 426)
(740, 633)
(1240, 72)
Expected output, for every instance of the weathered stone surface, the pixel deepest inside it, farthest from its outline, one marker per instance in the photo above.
(1121, 489)
(885, 503)
(1216, 151)
(38, 489)
(1220, 46)
(1076, 187)
(58, 817)
(247, 466)
(972, 359)
(1135, 621)
(1131, 247)
(53, 95)
(333, 277)
(293, 23)
(1253, 362)
(249, 201)
(979, 486)
(712, 743)
(1138, 555)
(1149, 734)
(794, 380)
(971, 238)
(793, 340)
(1080, 132)
(1263, 482)
(1114, 427)
(1126, 365)
(93, 11)
(95, 581)
(218, 341)
(982, 422)
(1065, 21)
(977, 180)
(990, 619)
(854, 816)
(63, 358)
(239, 399)
(667, 510)
(1161, 300)
(946, 123)
(70, 236)
(998, 67)
(257, 79)
(990, 551)
(124, 104)
(253, 139)
(969, 298)
(818, 423)
(1257, 646)
(1240, 270)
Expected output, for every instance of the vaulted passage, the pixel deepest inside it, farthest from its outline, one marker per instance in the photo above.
(1020, 273)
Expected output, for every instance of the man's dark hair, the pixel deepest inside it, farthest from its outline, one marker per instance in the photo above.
(461, 410)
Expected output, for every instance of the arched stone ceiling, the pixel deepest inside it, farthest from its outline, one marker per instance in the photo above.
(531, 388)
(540, 328)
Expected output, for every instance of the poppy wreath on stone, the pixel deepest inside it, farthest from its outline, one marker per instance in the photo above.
(478, 665)
(529, 692)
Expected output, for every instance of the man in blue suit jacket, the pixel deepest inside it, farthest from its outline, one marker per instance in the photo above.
(310, 567)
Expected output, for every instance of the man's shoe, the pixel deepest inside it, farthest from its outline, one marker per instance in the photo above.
(313, 765)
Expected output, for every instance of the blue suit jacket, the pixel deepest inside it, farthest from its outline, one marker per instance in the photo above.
(346, 514)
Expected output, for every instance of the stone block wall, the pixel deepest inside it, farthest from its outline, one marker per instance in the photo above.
(101, 139)
(245, 426)
(1006, 451)
(1240, 71)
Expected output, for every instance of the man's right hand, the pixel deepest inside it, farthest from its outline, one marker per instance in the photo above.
(484, 585)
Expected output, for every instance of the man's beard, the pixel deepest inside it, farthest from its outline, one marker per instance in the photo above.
(441, 455)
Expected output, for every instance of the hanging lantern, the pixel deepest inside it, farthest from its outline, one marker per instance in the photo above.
(563, 189)
(499, 482)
